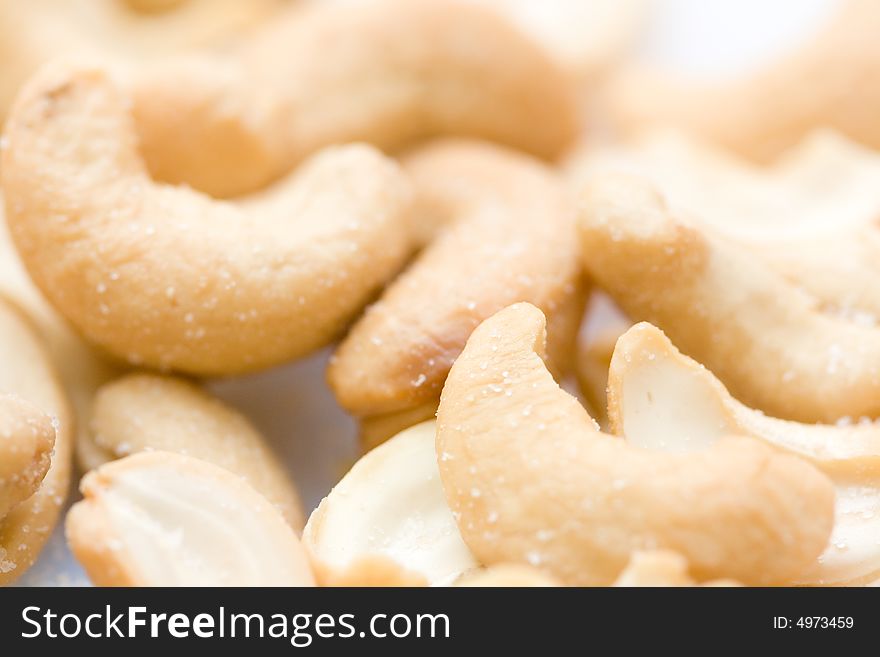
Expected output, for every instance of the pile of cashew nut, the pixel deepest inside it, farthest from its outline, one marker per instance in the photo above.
(195, 190)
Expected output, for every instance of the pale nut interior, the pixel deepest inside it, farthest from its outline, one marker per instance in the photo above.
(662, 400)
(391, 504)
(145, 412)
(162, 519)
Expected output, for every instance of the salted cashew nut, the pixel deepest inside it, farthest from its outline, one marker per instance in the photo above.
(81, 368)
(759, 115)
(387, 521)
(661, 568)
(508, 575)
(27, 374)
(167, 277)
(144, 412)
(531, 479)
(661, 400)
(26, 440)
(163, 519)
(771, 339)
(811, 215)
(503, 232)
(400, 71)
(36, 31)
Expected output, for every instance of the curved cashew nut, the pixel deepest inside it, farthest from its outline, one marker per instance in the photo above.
(36, 31)
(27, 373)
(387, 521)
(163, 519)
(230, 124)
(505, 234)
(26, 440)
(823, 237)
(143, 412)
(769, 341)
(167, 277)
(532, 479)
(662, 400)
(761, 115)
(661, 568)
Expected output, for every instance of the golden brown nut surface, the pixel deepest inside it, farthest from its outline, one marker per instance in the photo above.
(504, 233)
(533, 480)
(167, 277)
(27, 372)
(662, 400)
(398, 71)
(26, 440)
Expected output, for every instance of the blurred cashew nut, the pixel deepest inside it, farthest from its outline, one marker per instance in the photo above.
(762, 114)
(770, 340)
(37, 31)
(811, 215)
(395, 71)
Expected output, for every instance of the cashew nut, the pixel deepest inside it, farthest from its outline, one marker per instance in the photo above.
(26, 440)
(771, 342)
(163, 519)
(532, 479)
(822, 236)
(28, 374)
(662, 400)
(167, 277)
(504, 234)
(387, 521)
(832, 80)
(399, 71)
(143, 412)
(81, 368)
(36, 31)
